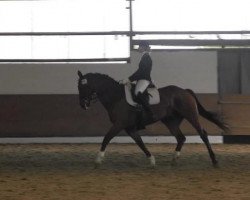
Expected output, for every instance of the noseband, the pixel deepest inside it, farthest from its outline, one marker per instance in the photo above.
(93, 98)
(90, 99)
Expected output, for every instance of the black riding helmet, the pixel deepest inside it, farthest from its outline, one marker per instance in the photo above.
(143, 43)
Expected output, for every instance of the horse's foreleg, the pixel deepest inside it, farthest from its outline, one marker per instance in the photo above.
(115, 129)
(138, 140)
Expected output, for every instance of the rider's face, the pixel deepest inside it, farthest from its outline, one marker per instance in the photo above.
(141, 49)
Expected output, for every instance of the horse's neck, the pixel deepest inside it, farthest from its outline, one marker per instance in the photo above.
(108, 93)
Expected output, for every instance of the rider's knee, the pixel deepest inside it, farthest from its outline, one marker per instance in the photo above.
(138, 93)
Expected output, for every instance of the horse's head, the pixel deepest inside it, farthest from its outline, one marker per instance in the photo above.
(86, 92)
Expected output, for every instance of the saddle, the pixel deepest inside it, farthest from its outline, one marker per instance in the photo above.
(151, 93)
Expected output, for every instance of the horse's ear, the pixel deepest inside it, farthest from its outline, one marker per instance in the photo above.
(80, 74)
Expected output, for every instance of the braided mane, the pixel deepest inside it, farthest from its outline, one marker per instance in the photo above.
(106, 84)
(104, 77)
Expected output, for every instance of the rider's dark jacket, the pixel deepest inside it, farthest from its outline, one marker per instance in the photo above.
(144, 70)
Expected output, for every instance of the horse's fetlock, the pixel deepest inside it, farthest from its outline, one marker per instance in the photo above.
(100, 157)
(152, 161)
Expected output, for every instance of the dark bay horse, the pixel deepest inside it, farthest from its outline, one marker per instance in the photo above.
(176, 104)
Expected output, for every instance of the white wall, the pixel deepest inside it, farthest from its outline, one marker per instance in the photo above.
(189, 69)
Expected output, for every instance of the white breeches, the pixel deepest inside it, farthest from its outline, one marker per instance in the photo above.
(141, 86)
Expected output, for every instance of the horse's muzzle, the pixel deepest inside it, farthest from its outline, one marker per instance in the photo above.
(85, 104)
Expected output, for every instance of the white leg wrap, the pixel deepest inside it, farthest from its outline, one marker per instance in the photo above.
(100, 157)
(152, 160)
(177, 155)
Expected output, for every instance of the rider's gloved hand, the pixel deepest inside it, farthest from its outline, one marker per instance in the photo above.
(124, 81)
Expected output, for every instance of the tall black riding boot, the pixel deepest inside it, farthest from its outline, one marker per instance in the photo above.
(143, 101)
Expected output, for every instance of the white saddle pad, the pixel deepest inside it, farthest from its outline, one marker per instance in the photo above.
(154, 97)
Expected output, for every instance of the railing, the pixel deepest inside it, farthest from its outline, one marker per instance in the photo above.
(169, 42)
(213, 40)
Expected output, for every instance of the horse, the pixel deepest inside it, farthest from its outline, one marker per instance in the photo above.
(175, 105)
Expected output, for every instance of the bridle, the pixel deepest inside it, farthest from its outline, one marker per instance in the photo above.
(85, 102)
(93, 97)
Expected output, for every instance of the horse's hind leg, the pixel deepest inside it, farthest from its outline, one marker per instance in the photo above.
(203, 134)
(205, 139)
(115, 129)
(173, 126)
(138, 140)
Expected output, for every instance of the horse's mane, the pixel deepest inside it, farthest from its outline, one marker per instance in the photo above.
(101, 77)
(104, 81)
(107, 84)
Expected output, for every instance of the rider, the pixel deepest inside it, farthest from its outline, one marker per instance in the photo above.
(142, 76)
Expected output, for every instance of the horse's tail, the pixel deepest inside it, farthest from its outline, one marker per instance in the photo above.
(211, 116)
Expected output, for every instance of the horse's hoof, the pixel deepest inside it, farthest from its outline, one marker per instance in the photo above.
(175, 158)
(99, 159)
(216, 164)
(98, 162)
(152, 161)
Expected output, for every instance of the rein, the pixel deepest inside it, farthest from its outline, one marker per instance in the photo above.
(94, 98)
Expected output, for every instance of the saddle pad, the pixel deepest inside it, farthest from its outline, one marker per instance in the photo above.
(154, 97)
